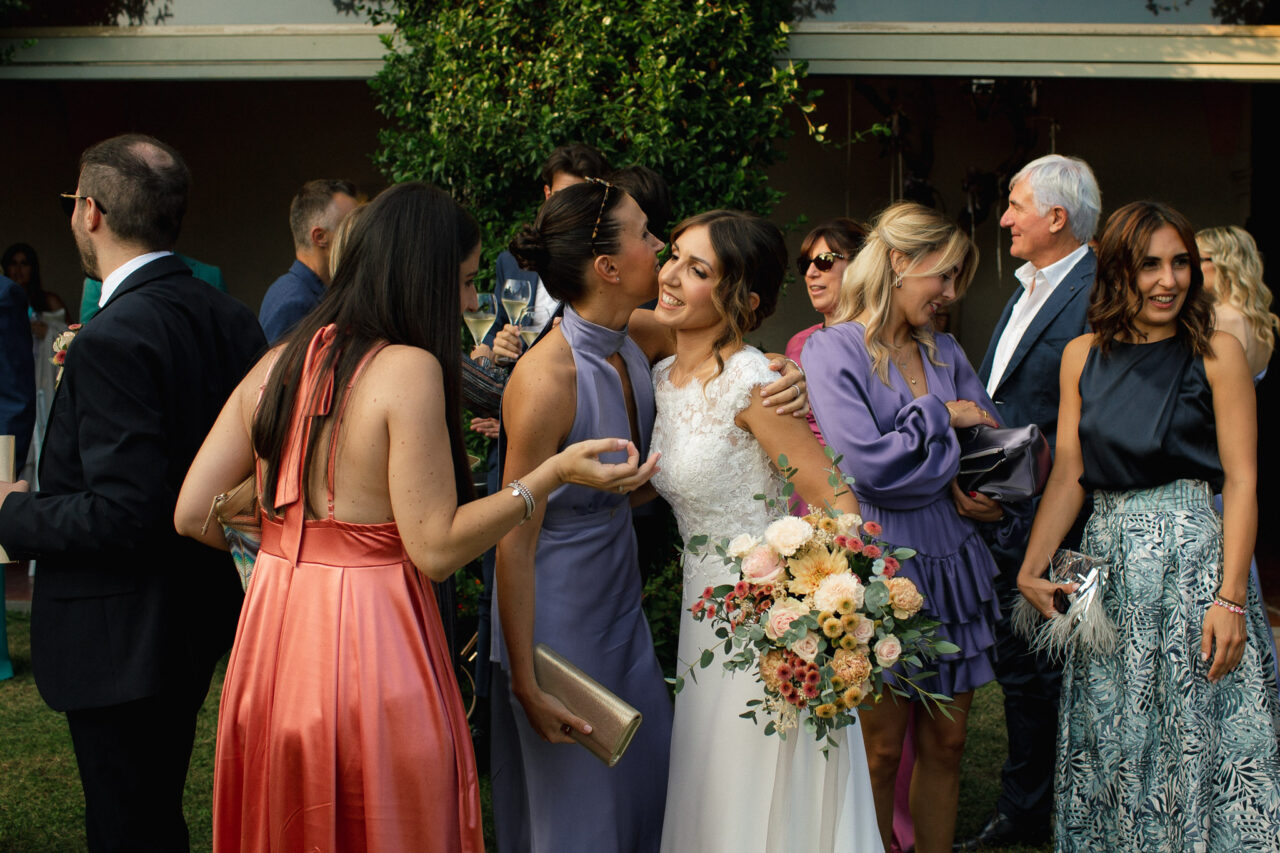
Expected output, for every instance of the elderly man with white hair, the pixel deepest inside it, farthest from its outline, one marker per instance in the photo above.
(1054, 204)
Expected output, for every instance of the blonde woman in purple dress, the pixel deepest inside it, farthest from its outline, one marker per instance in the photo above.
(889, 395)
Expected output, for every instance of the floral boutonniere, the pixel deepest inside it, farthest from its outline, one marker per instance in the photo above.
(60, 346)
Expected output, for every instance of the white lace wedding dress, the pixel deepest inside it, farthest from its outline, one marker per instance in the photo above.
(732, 788)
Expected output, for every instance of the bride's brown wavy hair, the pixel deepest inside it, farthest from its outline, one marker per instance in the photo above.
(1116, 301)
(752, 255)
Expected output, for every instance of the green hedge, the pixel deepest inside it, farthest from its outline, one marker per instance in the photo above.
(480, 92)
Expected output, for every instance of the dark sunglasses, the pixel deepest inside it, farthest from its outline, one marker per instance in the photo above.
(824, 262)
(68, 201)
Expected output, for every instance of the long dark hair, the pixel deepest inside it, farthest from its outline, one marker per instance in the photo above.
(753, 259)
(1115, 301)
(36, 297)
(398, 283)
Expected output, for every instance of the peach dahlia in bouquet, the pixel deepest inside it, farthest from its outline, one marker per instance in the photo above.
(819, 614)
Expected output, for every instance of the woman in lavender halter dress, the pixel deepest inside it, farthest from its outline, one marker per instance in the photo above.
(569, 578)
(718, 441)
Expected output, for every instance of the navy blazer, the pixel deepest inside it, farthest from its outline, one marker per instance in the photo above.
(17, 370)
(124, 607)
(1028, 391)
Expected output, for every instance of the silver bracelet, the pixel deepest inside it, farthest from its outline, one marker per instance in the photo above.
(520, 490)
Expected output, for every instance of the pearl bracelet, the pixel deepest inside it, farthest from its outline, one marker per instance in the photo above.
(1229, 606)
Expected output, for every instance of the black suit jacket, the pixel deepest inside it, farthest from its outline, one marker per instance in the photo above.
(123, 606)
(1028, 390)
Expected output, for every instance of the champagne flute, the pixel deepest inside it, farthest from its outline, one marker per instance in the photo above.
(529, 330)
(515, 298)
(480, 321)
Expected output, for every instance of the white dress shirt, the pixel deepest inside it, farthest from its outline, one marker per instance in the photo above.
(1037, 287)
(120, 273)
(544, 305)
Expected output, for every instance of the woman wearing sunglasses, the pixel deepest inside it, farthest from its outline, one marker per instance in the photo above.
(824, 255)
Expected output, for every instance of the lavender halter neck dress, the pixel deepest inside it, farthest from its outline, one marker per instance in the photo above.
(587, 608)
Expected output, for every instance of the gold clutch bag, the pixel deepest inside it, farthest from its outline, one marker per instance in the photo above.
(613, 721)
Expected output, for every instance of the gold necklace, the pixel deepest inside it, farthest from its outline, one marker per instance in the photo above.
(902, 362)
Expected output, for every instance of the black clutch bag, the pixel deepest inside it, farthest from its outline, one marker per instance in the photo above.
(1005, 464)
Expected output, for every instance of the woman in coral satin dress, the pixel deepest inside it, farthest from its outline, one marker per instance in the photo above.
(341, 725)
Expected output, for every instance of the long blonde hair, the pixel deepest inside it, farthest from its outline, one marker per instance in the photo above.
(1238, 279)
(915, 231)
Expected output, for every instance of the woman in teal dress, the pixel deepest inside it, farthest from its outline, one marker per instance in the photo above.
(1168, 742)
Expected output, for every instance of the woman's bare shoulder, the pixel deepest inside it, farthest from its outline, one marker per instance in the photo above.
(543, 387)
(549, 363)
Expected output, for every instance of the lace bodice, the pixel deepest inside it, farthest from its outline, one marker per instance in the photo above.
(712, 469)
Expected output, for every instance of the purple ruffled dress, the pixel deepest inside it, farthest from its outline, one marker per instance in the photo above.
(903, 453)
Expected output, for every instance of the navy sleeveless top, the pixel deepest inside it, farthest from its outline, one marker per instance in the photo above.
(1146, 417)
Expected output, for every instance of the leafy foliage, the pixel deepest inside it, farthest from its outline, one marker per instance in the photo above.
(481, 91)
(81, 13)
(662, 607)
(1226, 11)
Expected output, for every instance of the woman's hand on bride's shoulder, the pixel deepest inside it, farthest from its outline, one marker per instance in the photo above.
(789, 391)
(579, 463)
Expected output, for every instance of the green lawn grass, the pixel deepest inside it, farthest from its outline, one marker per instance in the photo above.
(42, 808)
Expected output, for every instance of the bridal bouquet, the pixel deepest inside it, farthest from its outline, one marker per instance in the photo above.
(819, 614)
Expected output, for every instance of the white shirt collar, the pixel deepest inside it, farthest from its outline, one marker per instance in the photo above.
(1052, 274)
(120, 273)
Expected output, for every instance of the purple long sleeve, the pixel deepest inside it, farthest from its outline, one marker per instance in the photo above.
(900, 450)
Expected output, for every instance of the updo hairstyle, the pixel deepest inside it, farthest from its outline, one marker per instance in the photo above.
(558, 245)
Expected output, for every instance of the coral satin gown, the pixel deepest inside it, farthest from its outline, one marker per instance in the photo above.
(341, 726)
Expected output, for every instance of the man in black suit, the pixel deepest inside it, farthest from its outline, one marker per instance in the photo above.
(128, 618)
(1054, 204)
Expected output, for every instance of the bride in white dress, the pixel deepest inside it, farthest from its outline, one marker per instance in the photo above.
(732, 788)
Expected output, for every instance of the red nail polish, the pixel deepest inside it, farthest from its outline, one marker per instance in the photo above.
(973, 494)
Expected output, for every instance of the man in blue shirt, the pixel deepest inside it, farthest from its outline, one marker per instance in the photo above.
(313, 216)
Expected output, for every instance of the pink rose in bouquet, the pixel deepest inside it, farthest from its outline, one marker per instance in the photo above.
(807, 647)
(888, 650)
(781, 615)
(762, 565)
